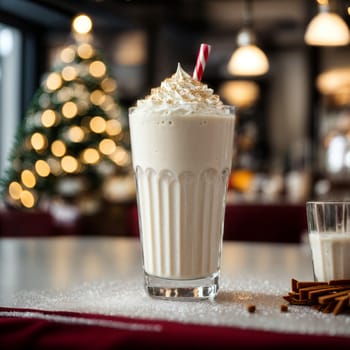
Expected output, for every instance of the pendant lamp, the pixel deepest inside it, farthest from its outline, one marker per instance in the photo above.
(248, 59)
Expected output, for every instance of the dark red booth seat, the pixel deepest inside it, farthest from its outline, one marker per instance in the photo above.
(38, 223)
(15, 223)
(113, 221)
(243, 222)
(265, 222)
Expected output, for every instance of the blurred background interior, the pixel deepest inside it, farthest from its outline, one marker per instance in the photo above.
(292, 141)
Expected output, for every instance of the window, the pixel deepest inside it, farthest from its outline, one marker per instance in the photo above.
(10, 90)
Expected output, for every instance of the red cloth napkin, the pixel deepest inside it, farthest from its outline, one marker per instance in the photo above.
(37, 329)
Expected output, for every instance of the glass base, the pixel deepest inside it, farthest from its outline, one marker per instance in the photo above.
(175, 289)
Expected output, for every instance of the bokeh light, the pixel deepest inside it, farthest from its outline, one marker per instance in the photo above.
(85, 51)
(90, 156)
(38, 141)
(28, 178)
(97, 69)
(120, 156)
(97, 124)
(48, 118)
(82, 24)
(109, 85)
(69, 73)
(67, 55)
(69, 109)
(54, 81)
(27, 199)
(69, 164)
(42, 168)
(97, 97)
(113, 127)
(58, 148)
(76, 134)
(15, 190)
(107, 146)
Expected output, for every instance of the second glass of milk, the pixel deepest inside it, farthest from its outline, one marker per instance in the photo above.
(329, 237)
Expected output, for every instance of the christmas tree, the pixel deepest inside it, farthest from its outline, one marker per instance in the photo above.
(74, 137)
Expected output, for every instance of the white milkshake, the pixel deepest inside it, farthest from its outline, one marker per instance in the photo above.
(182, 144)
(330, 255)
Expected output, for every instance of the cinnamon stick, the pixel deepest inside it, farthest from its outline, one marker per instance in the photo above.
(328, 297)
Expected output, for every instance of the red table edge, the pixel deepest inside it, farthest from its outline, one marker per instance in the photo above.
(121, 330)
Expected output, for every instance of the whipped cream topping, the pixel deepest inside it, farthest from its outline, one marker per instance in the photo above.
(181, 93)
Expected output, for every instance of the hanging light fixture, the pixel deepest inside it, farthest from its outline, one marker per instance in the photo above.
(248, 59)
(240, 93)
(327, 28)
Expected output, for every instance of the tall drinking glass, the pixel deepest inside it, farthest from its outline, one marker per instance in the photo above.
(182, 161)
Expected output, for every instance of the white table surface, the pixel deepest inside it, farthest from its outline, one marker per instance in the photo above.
(104, 276)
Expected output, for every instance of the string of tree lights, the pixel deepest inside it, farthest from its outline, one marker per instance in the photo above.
(74, 135)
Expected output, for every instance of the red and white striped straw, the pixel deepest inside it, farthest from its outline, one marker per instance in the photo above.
(202, 59)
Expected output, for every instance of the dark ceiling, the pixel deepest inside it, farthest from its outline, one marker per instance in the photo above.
(274, 20)
(278, 24)
(209, 16)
